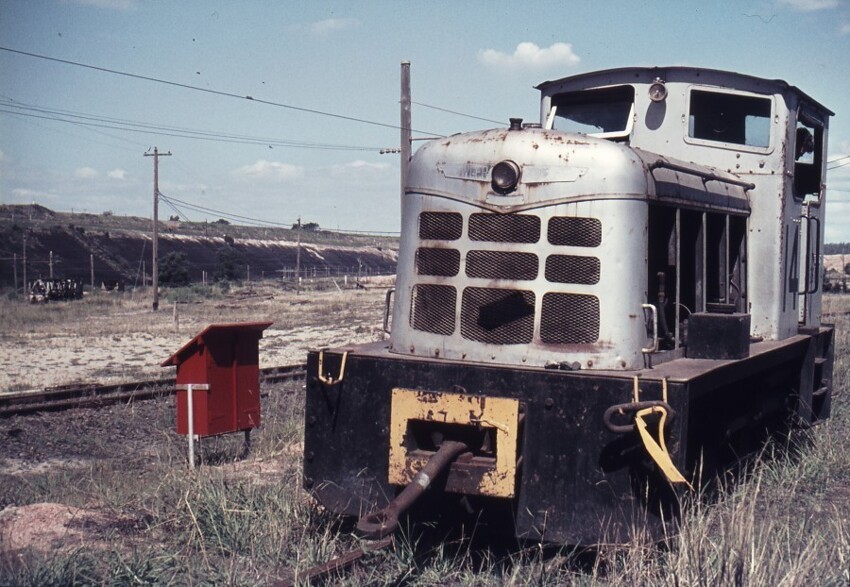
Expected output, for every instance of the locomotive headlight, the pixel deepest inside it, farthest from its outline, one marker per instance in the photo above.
(658, 90)
(505, 176)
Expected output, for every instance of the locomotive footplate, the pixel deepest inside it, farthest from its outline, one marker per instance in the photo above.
(562, 456)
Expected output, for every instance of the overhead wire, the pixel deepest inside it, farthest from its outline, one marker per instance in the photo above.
(212, 91)
(146, 128)
(830, 168)
(458, 113)
(100, 132)
(260, 222)
(170, 204)
(225, 214)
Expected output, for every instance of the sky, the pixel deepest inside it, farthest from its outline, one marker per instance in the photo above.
(323, 81)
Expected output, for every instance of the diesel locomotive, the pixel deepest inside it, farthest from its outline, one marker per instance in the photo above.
(594, 312)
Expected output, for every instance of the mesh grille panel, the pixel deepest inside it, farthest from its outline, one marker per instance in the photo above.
(504, 228)
(444, 226)
(572, 269)
(497, 316)
(433, 308)
(569, 319)
(575, 232)
(438, 262)
(501, 265)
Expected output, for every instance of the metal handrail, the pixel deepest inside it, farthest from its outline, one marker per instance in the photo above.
(705, 175)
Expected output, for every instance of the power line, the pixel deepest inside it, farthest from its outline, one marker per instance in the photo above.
(211, 91)
(100, 132)
(173, 207)
(458, 113)
(259, 221)
(146, 128)
(841, 164)
(224, 214)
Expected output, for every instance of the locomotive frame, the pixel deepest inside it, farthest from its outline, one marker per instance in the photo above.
(607, 307)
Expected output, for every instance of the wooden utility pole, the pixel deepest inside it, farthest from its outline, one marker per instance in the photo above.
(298, 261)
(155, 270)
(15, 270)
(50, 263)
(25, 266)
(406, 144)
(91, 268)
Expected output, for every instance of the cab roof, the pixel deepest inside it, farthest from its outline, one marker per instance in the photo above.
(720, 77)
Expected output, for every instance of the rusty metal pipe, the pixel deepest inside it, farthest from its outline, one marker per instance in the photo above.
(384, 522)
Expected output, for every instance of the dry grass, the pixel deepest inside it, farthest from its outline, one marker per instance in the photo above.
(248, 521)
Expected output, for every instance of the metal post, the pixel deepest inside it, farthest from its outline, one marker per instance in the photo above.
(191, 431)
(190, 407)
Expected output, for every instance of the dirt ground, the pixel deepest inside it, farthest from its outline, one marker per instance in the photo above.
(128, 342)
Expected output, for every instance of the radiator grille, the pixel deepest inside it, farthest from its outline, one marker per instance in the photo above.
(572, 269)
(433, 308)
(444, 226)
(504, 228)
(497, 316)
(437, 262)
(501, 265)
(575, 232)
(569, 319)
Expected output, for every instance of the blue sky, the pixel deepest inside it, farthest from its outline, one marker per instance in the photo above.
(342, 58)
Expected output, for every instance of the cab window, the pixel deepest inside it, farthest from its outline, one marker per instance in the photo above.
(808, 155)
(730, 118)
(604, 112)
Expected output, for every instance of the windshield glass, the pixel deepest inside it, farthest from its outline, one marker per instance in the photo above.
(730, 118)
(602, 112)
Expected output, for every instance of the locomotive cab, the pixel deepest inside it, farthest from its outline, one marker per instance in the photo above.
(600, 306)
(767, 133)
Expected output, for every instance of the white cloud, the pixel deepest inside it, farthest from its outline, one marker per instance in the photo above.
(360, 167)
(530, 55)
(117, 174)
(810, 5)
(324, 27)
(85, 173)
(109, 4)
(27, 195)
(270, 170)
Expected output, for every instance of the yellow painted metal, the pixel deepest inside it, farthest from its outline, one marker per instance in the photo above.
(657, 450)
(329, 379)
(501, 414)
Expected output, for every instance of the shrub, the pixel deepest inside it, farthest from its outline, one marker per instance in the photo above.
(174, 270)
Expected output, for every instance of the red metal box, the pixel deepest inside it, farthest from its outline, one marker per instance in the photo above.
(225, 357)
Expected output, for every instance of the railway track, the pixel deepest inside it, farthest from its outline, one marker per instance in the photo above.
(94, 395)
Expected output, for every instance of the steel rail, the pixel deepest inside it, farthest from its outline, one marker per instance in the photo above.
(94, 395)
